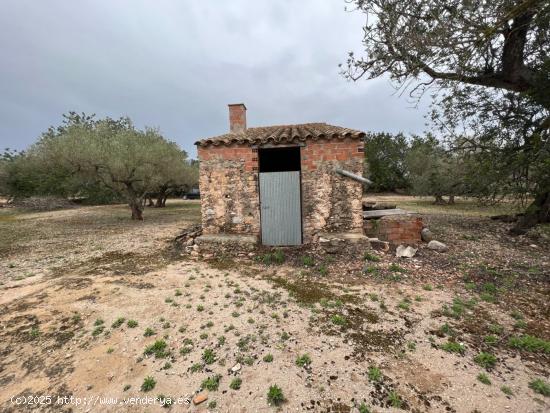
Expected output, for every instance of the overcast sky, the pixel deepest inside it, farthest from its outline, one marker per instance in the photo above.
(176, 64)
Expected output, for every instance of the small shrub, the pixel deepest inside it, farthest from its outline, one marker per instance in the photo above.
(506, 390)
(118, 322)
(303, 361)
(395, 400)
(158, 348)
(485, 360)
(98, 330)
(453, 347)
(363, 408)
(427, 287)
(491, 339)
(374, 374)
(275, 395)
(308, 261)
(132, 323)
(540, 386)
(483, 378)
(200, 308)
(396, 268)
(371, 257)
(149, 332)
(235, 383)
(148, 384)
(212, 383)
(268, 358)
(99, 322)
(209, 356)
(337, 320)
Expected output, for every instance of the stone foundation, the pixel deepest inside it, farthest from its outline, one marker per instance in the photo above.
(396, 229)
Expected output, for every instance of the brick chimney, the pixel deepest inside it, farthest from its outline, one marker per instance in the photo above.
(237, 117)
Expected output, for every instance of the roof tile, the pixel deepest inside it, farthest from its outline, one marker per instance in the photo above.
(282, 134)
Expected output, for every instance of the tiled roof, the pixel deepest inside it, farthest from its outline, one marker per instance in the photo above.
(283, 134)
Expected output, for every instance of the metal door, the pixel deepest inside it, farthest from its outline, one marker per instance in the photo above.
(281, 216)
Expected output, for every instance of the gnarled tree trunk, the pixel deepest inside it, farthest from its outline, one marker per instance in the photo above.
(137, 211)
(451, 199)
(439, 200)
(537, 213)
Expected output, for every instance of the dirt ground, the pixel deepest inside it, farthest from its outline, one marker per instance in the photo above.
(101, 314)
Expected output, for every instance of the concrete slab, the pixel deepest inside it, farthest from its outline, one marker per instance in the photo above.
(385, 212)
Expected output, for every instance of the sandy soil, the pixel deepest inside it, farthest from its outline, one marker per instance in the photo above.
(374, 330)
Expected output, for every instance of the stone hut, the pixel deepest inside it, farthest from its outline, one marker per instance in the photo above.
(281, 185)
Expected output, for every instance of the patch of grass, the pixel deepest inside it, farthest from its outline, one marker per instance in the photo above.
(397, 268)
(337, 319)
(235, 383)
(148, 384)
(149, 332)
(34, 333)
(495, 328)
(303, 361)
(506, 390)
(268, 358)
(395, 400)
(374, 374)
(178, 293)
(404, 305)
(540, 386)
(486, 360)
(118, 322)
(126, 387)
(212, 404)
(275, 395)
(427, 287)
(98, 330)
(132, 323)
(196, 367)
(158, 348)
(367, 256)
(453, 347)
(209, 356)
(483, 378)
(530, 343)
(491, 339)
(363, 408)
(308, 261)
(200, 308)
(212, 383)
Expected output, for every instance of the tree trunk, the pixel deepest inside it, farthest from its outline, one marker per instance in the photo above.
(137, 211)
(164, 200)
(451, 199)
(537, 213)
(150, 202)
(439, 200)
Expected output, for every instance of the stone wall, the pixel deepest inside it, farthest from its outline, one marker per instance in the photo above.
(330, 203)
(228, 185)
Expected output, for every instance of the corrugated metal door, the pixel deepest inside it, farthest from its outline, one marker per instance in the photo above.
(281, 215)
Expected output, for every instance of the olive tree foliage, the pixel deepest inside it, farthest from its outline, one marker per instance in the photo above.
(433, 170)
(385, 161)
(112, 153)
(468, 53)
(505, 144)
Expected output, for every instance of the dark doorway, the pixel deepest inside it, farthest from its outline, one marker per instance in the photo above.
(279, 159)
(280, 196)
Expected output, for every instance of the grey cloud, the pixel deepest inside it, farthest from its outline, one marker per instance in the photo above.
(176, 64)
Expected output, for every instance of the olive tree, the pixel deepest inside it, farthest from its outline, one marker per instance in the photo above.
(462, 52)
(385, 161)
(127, 161)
